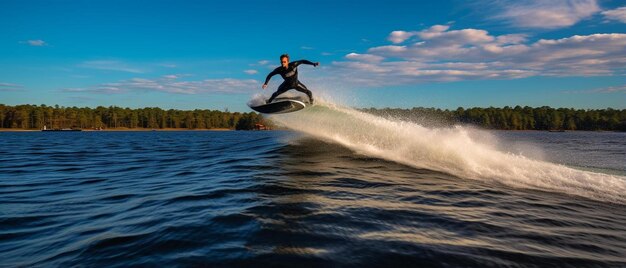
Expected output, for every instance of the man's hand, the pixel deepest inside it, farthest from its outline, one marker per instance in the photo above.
(264, 86)
(316, 64)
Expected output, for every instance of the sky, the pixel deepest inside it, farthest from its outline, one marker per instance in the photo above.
(216, 54)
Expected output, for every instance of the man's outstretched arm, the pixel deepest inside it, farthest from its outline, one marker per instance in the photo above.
(269, 76)
(298, 62)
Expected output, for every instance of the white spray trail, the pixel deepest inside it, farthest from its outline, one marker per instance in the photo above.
(450, 150)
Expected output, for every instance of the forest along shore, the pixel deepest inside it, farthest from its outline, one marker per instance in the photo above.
(59, 117)
(513, 118)
(33, 117)
(122, 129)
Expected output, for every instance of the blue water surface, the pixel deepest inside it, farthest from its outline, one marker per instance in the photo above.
(205, 198)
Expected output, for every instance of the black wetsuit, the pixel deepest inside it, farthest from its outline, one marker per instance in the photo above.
(290, 74)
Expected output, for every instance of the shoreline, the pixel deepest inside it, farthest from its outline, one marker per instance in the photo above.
(228, 129)
(121, 129)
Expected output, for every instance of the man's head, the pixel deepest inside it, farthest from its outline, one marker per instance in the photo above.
(284, 60)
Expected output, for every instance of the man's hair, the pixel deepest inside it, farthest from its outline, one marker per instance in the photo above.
(284, 56)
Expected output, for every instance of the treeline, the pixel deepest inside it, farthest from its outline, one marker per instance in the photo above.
(56, 117)
(517, 118)
(506, 118)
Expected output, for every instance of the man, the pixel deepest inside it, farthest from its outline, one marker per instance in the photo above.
(289, 72)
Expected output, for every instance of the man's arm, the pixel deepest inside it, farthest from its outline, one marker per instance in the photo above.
(298, 62)
(269, 76)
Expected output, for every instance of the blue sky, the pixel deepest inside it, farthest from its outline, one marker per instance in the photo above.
(215, 55)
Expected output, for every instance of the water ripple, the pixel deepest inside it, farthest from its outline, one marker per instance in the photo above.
(275, 199)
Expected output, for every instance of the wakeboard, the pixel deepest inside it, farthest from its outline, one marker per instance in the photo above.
(280, 106)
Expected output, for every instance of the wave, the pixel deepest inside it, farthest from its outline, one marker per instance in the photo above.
(459, 150)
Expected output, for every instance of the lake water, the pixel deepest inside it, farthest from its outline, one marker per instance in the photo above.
(315, 196)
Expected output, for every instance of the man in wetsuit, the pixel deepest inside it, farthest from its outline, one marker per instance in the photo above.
(289, 72)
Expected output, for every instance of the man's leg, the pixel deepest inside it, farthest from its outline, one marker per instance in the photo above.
(281, 89)
(302, 88)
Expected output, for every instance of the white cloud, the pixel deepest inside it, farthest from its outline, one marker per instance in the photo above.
(616, 89)
(511, 39)
(110, 65)
(547, 14)
(306, 48)
(441, 54)
(263, 62)
(603, 90)
(439, 35)
(618, 14)
(251, 72)
(35, 43)
(364, 57)
(399, 36)
(171, 76)
(173, 84)
(433, 31)
(10, 87)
